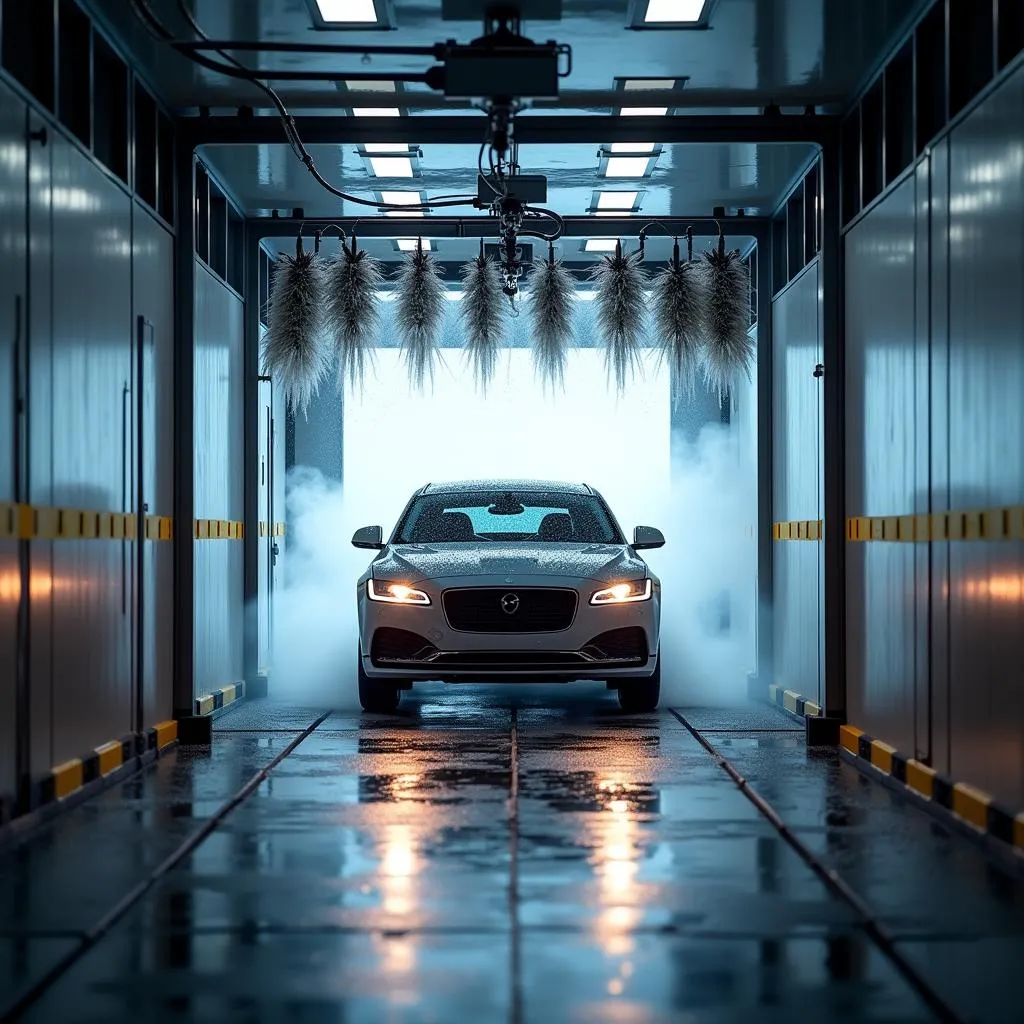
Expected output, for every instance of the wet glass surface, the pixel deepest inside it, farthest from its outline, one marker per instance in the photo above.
(388, 870)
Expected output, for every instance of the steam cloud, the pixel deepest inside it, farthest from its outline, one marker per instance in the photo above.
(703, 498)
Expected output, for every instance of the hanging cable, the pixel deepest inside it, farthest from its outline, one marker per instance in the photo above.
(235, 69)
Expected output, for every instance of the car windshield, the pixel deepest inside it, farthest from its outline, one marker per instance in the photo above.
(546, 516)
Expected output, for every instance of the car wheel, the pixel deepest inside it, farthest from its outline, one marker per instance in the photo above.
(640, 695)
(379, 697)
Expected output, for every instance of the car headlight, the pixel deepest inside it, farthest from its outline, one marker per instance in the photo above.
(394, 593)
(624, 593)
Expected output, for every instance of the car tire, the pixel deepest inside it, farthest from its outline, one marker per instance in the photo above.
(641, 694)
(379, 697)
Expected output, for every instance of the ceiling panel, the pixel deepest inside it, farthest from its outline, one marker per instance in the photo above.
(755, 52)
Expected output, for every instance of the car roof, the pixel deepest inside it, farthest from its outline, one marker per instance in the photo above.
(462, 486)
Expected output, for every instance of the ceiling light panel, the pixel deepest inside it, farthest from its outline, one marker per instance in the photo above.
(616, 200)
(391, 166)
(678, 12)
(412, 244)
(386, 147)
(643, 111)
(402, 199)
(379, 85)
(600, 245)
(347, 12)
(626, 166)
(632, 147)
(644, 84)
(376, 112)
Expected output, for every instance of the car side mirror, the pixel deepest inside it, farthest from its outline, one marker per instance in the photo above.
(647, 537)
(371, 537)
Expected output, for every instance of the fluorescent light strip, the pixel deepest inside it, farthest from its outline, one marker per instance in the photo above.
(643, 111)
(626, 166)
(678, 12)
(632, 147)
(347, 12)
(402, 199)
(411, 244)
(616, 200)
(380, 85)
(376, 112)
(391, 166)
(645, 84)
(600, 245)
(386, 147)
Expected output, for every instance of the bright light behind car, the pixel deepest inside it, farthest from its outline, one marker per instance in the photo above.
(623, 593)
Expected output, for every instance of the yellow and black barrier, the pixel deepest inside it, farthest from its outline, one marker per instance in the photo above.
(221, 698)
(32, 522)
(66, 779)
(790, 700)
(969, 805)
(797, 529)
(989, 524)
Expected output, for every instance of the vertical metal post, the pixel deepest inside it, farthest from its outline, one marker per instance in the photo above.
(765, 461)
(184, 430)
(251, 448)
(833, 351)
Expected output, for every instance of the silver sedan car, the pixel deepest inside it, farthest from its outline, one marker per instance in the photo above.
(511, 581)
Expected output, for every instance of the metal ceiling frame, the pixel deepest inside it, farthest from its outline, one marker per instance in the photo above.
(482, 226)
(244, 128)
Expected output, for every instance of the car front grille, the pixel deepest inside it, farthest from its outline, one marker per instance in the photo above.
(509, 609)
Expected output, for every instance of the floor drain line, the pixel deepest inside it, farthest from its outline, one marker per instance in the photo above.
(870, 922)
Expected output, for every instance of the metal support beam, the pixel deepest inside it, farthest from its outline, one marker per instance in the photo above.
(184, 439)
(478, 225)
(833, 351)
(556, 130)
(251, 449)
(765, 466)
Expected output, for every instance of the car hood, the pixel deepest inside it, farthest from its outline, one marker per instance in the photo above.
(411, 563)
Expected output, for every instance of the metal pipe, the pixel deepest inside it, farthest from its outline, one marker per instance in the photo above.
(596, 129)
(374, 226)
(569, 99)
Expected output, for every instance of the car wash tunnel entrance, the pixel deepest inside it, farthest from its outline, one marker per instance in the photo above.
(511, 512)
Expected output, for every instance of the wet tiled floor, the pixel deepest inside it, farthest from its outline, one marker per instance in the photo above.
(397, 869)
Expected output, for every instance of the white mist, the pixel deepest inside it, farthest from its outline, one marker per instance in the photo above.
(395, 441)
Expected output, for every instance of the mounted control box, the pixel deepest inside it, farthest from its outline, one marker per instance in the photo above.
(527, 188)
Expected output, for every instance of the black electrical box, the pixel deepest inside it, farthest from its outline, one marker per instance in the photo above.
(528, 188)
(476, 70)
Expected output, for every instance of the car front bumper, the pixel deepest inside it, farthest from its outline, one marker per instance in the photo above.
(567, 654)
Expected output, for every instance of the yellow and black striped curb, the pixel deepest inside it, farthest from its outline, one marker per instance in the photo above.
(211, 702)
(272, 529)
(797, 529)
(968, 804)
(791, 701)
(65, 779)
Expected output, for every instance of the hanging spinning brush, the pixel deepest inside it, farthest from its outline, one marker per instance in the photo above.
(419, 309)
(482, 310)
(352, 280)
(679, 309)
(620, 282)
(294, 348)
(551, 307)
(728, 349)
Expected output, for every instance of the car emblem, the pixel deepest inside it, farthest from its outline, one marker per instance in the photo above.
(510, 604)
